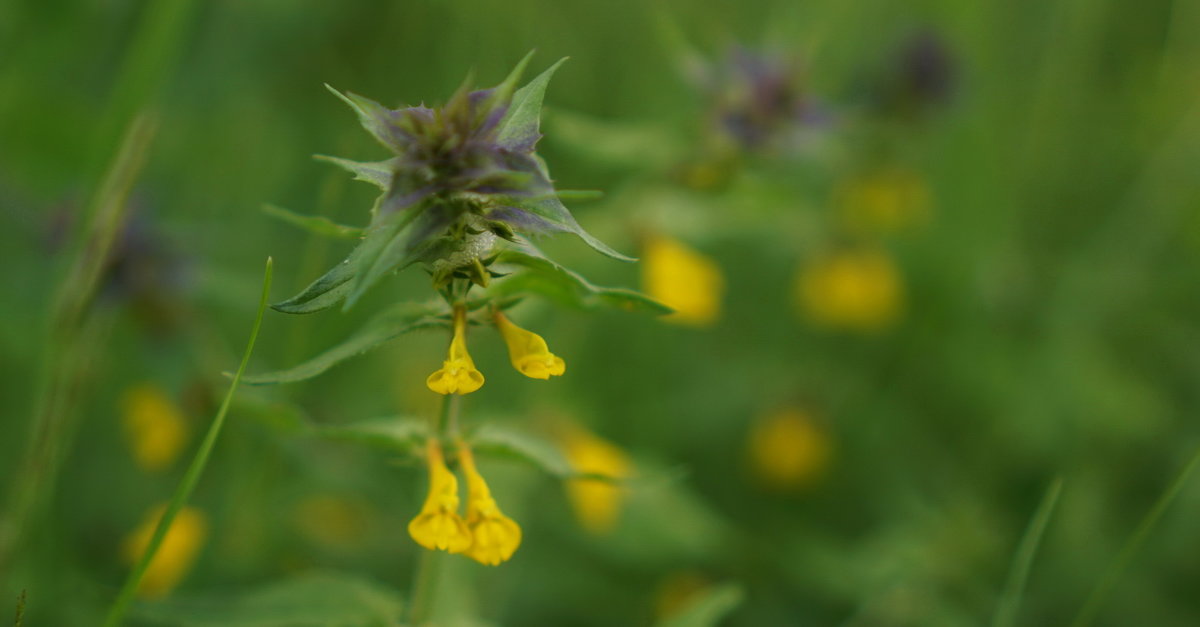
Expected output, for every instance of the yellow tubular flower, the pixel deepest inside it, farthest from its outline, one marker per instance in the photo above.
(528, 351)
(856, 290)
(458, 374)
(495, 536)
(684, 280)
(597, 503)
(154, 426)
(439, 526)
(176, 554)
(789, 450)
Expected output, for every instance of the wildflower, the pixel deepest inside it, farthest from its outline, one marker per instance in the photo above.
(439, 526)
(154, 426)
(176, 554)
(457, 374)
(683, 279)
(888, 199)
(528, 351)
(596, 502)
(495, 537)
(788, 449)
(856, 290)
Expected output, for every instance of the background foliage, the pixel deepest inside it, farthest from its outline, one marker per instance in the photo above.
(1048, 325)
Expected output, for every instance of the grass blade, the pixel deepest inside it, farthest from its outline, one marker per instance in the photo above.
(1099, 594)
(1018, 573)
(120, 606)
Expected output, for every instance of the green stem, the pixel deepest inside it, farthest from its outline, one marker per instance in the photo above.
(425, 578)
(120, 606)
(1114, 571)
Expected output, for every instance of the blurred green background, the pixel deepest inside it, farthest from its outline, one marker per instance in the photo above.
(1024, 311)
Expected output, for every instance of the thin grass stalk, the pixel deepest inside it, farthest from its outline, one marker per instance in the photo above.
(1018, 574)
(183, 491)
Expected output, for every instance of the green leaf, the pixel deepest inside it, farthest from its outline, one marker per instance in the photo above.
(393, 433)
(306, 600)
(503, 92)
(518, 130)
(386, 248)
(373, 116)
(708, 608)
(317, 225)
(323, 293)
(377, 173)
(550, 209)
(384, 327)
(499, 441)
(551, 280)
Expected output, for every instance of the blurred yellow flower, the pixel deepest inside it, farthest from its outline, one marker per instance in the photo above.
(596, 502)
(154, 426)
(439, 526)
(887, 199)
(495, 537)
(458, 374)
(528, 351)
(677, 591)
(858, 290)
(683, 279)
(176, 554)
(788, 449)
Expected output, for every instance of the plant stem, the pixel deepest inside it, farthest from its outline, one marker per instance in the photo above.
(425, 577)
(1018, 575)
(183, 491)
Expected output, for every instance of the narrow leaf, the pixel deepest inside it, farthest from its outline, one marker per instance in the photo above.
(496, 440)
(708, 608)
(518, 130)
(373, 116)
(1018, 574)
(323, 293)
(394, 433)
(377, 173)
(546, 278)
(384, 327)
(317, 225)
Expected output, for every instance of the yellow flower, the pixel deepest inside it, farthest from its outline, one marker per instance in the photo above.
(858, 290)
(439, 526)
(458, 374)
(495, 536)
(528, 351)
(154, 426)
(176, 554)
(683, 279)
(788, 449)
(887, 199)
(596, 502)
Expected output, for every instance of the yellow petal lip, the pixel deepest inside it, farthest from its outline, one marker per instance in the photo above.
(528, 352)
(457, 374)
(495, 537)
(438, 526)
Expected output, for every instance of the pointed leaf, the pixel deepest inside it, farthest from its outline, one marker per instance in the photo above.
(384, 327)
(317, 225)
(395, 433)
(518, 130)
(323, 293)
(502, 93)
(499, 441)
(390, 246)
(550, 210)
(546, 278)
(377, 173)
(373, 116)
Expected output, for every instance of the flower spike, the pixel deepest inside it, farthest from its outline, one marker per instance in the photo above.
(457, 374)
(495, 537)
(528, 351)
(439, 526)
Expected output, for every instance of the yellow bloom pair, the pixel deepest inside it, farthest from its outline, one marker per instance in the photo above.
(527, 350)
(486, 535)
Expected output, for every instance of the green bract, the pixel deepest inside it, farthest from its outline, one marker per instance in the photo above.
(463, 179)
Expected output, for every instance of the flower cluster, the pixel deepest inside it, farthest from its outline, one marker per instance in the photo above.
(485, 535)
(526, 349)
